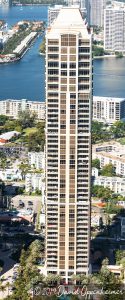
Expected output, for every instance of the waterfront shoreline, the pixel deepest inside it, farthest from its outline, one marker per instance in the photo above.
(108, 56)
(23, 53)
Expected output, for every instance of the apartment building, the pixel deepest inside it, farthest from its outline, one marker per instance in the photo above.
(115, 184)
(36, 160)
(33, 182)
(114, 27)
(113, 153)
(108, 110)
(12, 108)
(10, 174)
(97, 12)
(68, 144)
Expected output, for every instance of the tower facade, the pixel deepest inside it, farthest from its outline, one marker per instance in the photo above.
(97, 12)
(114, 27)
(68, 144)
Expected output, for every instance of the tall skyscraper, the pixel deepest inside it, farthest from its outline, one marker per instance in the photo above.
(114, 27)
(68, 144)
(97, 12)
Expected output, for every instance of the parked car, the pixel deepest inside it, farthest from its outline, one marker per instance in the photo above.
(30, 203)
(21, 204)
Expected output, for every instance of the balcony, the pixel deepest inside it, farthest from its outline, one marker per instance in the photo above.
(52, 167)
(52, 263)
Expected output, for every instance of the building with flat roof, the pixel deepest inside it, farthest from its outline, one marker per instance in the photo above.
(110, 152)
(10, 174)
(12, 108)
(114, 27)
(108, 109)
(36, 160)
(68, 144)
(53, 13)
(115, 184)
(33, 182)
(7, 136)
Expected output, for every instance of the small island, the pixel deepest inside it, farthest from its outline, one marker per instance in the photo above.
(17, 40)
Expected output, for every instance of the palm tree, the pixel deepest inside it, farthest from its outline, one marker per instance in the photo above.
(2, 288)
(8, 285)
(53, 278)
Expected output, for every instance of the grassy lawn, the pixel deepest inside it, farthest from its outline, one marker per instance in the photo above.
(25, 134)
(28, 131)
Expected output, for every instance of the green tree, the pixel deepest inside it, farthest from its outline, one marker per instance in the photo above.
(119, 255)
(42, 46)
(27, 119)
(3, 119)
(105, 262)
(24, 168)
(118, 129)
(108, 170)
(96, 163)
(101, 192)
(36, 140)
(98, 51)
(3, 162)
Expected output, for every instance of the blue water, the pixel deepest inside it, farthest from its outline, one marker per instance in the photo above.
(25, 79)
(109, 77)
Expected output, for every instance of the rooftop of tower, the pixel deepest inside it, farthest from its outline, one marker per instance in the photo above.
(69, 19)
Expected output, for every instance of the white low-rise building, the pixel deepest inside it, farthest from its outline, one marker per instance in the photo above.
(10, 175)
(108, 109)
(107, 158)
(12, 108)
(36, 160)
(33, 182)
(111, 152)
(116, 184)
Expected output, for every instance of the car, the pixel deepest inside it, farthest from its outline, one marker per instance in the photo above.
(16, 267)
(14, 278)
(15, 274)
(21, 204)
(30, 203)
(20, 201)
(29, 209)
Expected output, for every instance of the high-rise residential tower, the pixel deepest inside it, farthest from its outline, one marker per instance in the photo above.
(68, 144)
(97, 12)
(114, 27)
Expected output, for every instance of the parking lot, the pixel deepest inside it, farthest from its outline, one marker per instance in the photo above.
(26, 202)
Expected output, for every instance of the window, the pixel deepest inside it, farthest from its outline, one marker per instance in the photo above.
(72, 66)
(71, 257)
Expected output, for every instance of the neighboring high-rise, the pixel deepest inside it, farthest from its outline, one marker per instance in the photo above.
(108, 109)
(114, 27)
(97, 12)
(68, 144)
